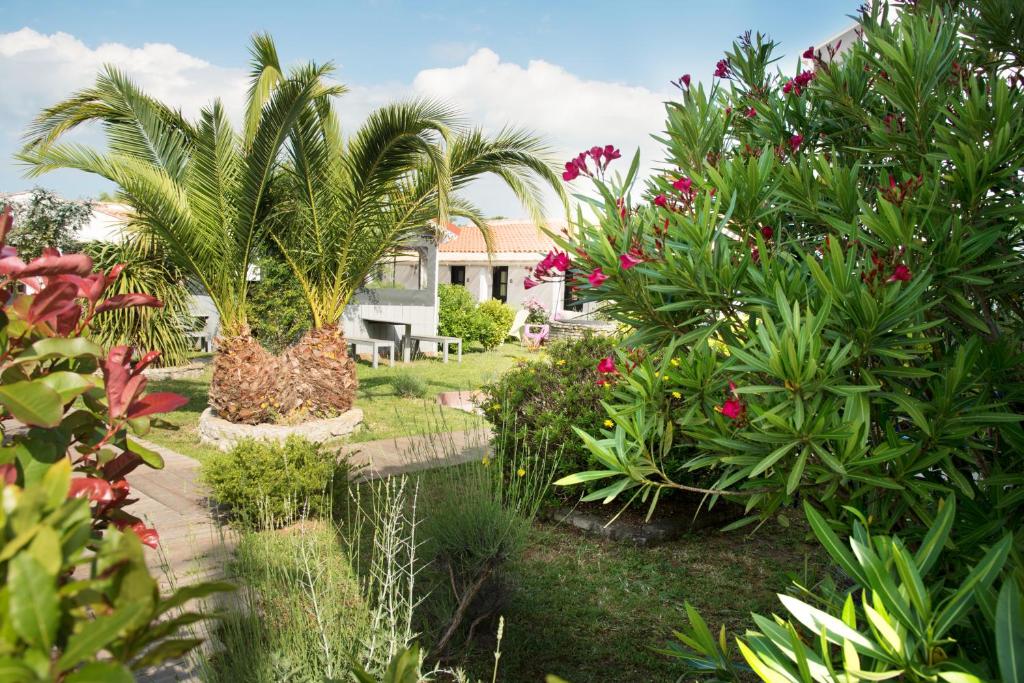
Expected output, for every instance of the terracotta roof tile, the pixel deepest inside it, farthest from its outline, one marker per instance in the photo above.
(507, 237)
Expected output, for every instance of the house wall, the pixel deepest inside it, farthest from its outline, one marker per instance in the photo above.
(479, 280)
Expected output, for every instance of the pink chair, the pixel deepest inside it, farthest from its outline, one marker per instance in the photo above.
(534, 335)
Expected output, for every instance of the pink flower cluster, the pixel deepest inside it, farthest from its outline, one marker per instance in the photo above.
(722, 68)
(601, 156)
(554, 261)
(795, 86)
(733, 407)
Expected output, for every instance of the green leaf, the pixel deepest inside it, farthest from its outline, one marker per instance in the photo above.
(55, 347)
(169, 649)
(194, 592)
(13, 670)
(33, 603)
(580, 477)
(68, 385)
(828, 538)
(97, 635)
(32, 403)
(938, 533)
(101, 672)
(150, 457)
(1010, 631)
(980, 578)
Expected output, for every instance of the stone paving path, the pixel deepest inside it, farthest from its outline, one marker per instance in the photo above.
(192, 544)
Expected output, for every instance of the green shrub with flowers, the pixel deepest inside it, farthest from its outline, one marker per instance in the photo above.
(828, 286)
(535, 406)
(830, 279)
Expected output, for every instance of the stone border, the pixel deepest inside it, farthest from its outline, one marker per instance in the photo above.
(577, 329)
(659, 530)
(220, 433)
(176, 372)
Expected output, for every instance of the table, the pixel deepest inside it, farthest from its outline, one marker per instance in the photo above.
(406, 346)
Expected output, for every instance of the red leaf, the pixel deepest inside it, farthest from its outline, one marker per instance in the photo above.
(160, 402)
(146, 360)
(121, 465)
(55, 300)
(8, 473)
(128, 300)
(73, 264)
(96, 490)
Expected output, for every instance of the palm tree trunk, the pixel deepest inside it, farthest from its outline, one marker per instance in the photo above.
(245, 382)
(320, 377)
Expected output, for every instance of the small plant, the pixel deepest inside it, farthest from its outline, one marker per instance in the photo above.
(535, 406)
(498, 318)
(408, 385)
(537, 313)
(260, 481)
(899, 621)
(475, 518)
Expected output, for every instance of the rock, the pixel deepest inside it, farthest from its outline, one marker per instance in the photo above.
(218, 432)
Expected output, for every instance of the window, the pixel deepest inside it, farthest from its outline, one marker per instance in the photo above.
(570, 301)
(499, 283)
(458, 275)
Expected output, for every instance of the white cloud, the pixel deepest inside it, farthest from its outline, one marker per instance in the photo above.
(573, 113)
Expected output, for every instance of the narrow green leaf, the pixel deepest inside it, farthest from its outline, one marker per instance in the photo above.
(1010, 631)
(33, 604)
(97, 635)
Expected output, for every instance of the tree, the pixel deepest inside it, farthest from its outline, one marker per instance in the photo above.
(46, 220)
(147, 271)
(349, 204)
(200, 189)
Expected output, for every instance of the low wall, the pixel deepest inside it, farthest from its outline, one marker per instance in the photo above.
(218, 432)
(577, 329)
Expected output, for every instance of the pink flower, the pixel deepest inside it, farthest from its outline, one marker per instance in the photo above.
(596, 278)
(561, 261)
(795, 142)
(732, 409)
(630, 259)
(809, 53)
(529, 283)
(685, 80)
(610, 154)
(683, 184)
(660, 200)
(571, 172)
(751, 112)
(722, 68)
(788, 87)
(767, 233)
(900, 274)
(606, 366)
(595, 154)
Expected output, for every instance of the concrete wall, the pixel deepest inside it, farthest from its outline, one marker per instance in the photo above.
(417, 307)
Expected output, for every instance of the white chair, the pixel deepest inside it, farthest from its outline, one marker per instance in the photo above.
(517, 324)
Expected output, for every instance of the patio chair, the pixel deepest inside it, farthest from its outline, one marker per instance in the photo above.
(534, 335)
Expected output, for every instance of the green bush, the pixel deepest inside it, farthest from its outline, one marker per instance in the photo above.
(832, 284)
(498, 318)
(534, 406)
(268, 484)
(408, 385)
(896, 623)
(276, 307)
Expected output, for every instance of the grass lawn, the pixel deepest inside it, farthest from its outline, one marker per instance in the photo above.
(386, 415)
(588, 609)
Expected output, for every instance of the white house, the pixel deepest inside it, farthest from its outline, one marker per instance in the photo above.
(517, 247)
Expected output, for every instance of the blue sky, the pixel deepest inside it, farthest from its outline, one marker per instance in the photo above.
(573, 71)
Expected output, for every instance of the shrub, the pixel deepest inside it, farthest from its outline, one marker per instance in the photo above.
(537, 313)
(277, 309)
(498, 318)
(264, 483)
(301, 617)
(408, 385)
(67, 410)
(895, 623)
(475, 517)
(830, 281)
(534, 406)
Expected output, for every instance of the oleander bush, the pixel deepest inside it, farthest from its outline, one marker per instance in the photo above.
(535, 406)
(263, 481)
(825, 288)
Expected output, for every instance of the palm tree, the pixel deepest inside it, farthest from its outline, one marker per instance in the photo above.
(349, 204)
(199, 188)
